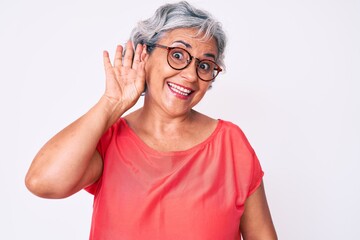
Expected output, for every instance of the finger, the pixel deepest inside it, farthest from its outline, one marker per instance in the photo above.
(137, 57)
(106, 60)
(128, 58)
(118, 56)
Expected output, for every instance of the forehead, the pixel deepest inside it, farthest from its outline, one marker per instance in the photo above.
(190, 37)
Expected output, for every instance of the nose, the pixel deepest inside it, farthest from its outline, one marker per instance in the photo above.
(190, 72)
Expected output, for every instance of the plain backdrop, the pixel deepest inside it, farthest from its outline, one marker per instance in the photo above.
(292, 85)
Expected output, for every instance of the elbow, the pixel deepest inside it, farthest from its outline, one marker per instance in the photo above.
(34, 186)
(44, 188)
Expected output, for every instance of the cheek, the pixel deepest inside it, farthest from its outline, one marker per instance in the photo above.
(158, 71)
(205, 86)
(202, 90)
(150, 71)
(153, 75)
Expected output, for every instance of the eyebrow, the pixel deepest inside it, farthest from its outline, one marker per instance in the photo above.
(189, 46)
(184, 43)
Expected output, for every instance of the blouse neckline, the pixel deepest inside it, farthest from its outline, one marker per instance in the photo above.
(153, 151)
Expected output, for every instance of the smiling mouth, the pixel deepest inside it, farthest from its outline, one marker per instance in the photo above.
(180, 90)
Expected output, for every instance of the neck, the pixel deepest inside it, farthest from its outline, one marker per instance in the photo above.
(166, 132)
(162, 123)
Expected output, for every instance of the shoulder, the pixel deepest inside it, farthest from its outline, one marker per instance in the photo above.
(229, 125)
(116, 127)
(233, 135)
(231, 128)
(119, 127)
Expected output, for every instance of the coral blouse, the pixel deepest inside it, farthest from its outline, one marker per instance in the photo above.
(194, 194)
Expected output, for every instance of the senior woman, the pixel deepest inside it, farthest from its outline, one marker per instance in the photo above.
(163, 171)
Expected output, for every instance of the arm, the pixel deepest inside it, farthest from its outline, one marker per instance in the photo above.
(69, 161)
(256, 222)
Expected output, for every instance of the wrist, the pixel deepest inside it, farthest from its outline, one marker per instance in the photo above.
(111, 110)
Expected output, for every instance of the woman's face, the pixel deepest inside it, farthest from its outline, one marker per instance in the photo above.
(176, 92)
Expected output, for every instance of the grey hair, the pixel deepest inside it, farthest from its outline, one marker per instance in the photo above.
(180, 15)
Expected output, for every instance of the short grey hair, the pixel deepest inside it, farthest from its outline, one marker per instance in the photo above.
(180, 15)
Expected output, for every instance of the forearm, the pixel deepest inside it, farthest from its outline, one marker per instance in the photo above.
(61, 164)
(69, 161)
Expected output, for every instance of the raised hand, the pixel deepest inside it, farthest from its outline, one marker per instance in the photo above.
(125, 78)
(68, 161)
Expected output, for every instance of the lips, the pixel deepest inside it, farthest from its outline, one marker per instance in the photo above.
(179, 89)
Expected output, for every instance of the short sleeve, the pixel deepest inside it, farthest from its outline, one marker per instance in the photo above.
(247, 167)
(257, 175)
(102, 147)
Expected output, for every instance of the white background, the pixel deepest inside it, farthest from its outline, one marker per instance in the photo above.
(292, 84)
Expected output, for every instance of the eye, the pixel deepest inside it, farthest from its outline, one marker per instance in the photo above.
(179, 55)
(205, 66)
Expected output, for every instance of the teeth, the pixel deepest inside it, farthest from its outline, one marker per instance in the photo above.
(180, 90)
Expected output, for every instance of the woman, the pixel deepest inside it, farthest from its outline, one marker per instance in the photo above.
(163, 171)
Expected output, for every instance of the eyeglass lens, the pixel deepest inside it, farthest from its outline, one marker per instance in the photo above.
(179, 59)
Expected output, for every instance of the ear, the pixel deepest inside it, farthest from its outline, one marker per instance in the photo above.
(144, 54)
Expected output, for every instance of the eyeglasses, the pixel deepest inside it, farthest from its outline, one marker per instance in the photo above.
(179, 59)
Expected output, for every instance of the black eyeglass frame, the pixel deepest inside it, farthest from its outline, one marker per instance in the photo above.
(217, 68)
